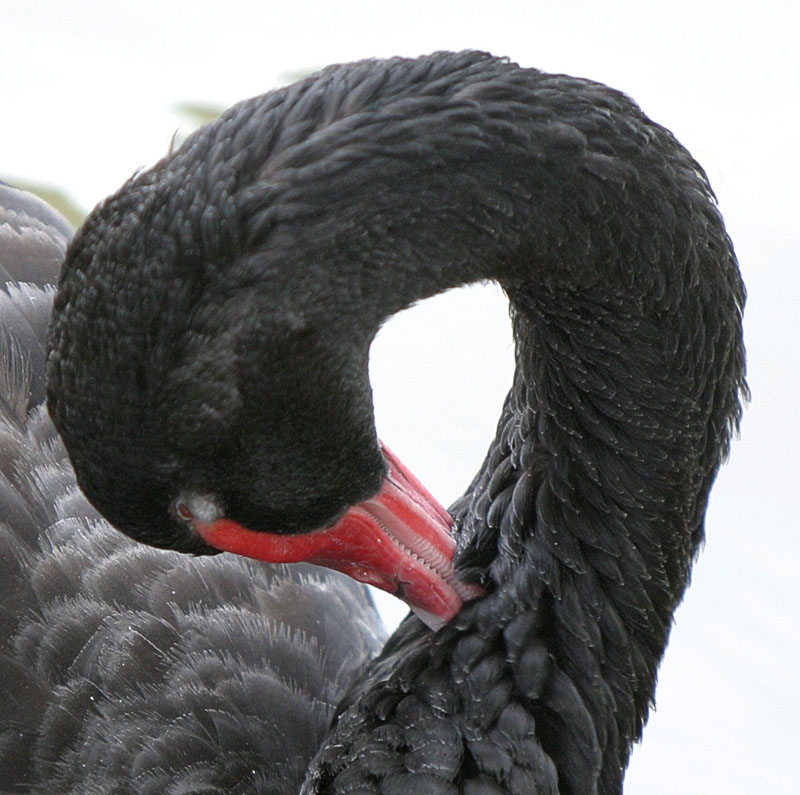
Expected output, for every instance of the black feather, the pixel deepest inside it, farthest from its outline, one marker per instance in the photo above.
(212, 328)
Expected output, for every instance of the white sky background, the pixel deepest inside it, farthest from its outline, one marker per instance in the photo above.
(88, 95)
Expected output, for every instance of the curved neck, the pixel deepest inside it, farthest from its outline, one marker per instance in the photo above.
(582, 519)
(323, 208)
(585, 516)
(588, 510)
(537, 183)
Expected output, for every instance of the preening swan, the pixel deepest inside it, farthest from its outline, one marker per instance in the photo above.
(207, 371)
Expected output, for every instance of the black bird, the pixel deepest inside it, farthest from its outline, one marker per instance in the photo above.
(208, 372)
(124, 668)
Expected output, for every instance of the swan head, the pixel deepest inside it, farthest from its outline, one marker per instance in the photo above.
(208, 372)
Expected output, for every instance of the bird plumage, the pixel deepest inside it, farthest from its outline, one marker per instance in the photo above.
(124, 669)
(211, 333)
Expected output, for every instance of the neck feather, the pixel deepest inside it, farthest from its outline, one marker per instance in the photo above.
(584, 518)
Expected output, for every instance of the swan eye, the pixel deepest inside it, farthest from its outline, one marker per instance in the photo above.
(182, 509)
(191, 508)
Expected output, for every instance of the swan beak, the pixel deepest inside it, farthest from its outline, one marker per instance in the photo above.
(399, 541)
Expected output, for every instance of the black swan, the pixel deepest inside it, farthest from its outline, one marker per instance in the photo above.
(124, 668)
(208, 372)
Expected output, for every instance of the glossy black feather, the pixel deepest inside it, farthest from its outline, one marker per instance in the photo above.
(128, 670)
(244, 277)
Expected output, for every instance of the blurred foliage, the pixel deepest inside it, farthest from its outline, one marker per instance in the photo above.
(298, 74)
(198, 113)
(55, 196)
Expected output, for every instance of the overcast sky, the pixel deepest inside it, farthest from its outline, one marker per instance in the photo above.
(89, 94)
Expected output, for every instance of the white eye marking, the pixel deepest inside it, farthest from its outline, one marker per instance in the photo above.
(191, 508)
(183, 511)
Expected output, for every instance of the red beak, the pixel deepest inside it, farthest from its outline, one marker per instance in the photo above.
(399, 541)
